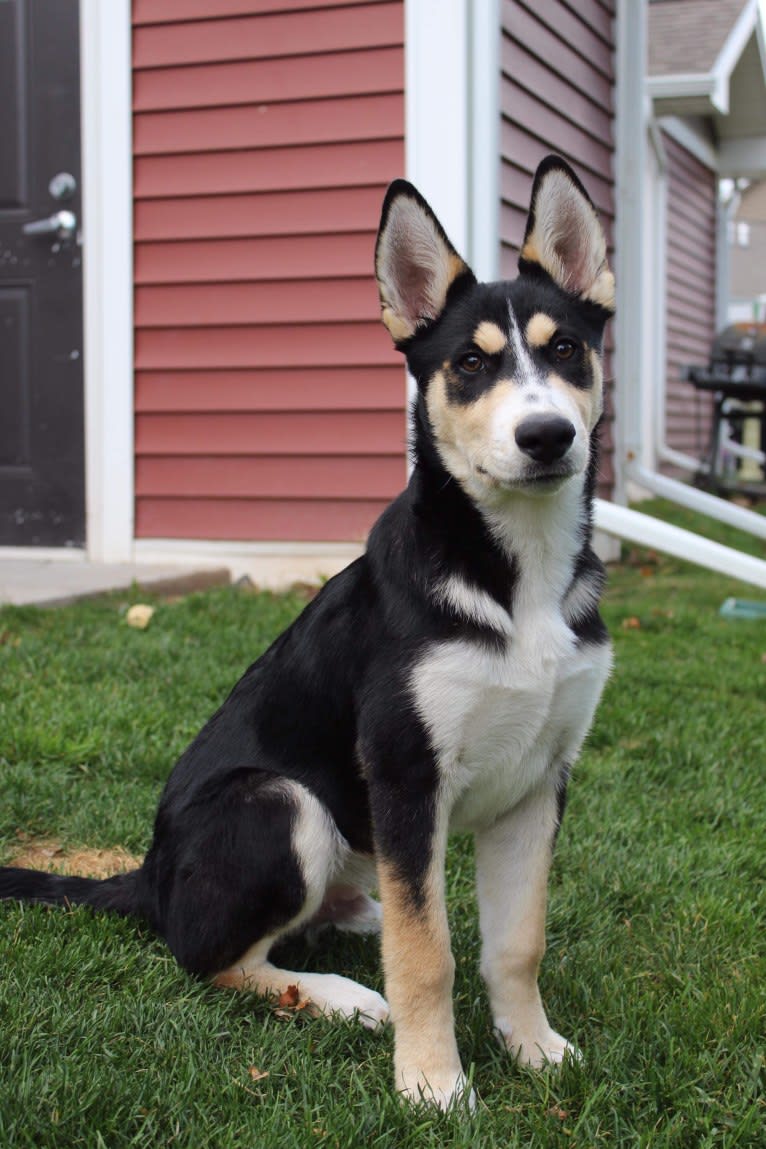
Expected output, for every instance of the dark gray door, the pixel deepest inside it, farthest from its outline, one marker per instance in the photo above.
(42, 461)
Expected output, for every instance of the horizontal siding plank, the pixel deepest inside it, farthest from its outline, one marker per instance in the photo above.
(291, 345)
(269, 169)
(598, 16)
(692, 235)
(232, 304)
(272, 35)
(314, 388)
(692, 346)
(269, 125)
(272, 433)
(556, 54)
(513, 221)
(258, 81)
(544, 84)
(568, 28)
(690, 343)
(173, 11)
(255, 520)
(288, 257)
(358, 477)
(554, 132)
(515, 183)
(699, 209)
(271, 213)
(689, 286)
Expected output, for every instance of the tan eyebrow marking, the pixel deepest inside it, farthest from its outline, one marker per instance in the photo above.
(540, 329)
(489, 338)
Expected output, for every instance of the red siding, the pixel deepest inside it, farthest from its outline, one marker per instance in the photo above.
(557, 95)
(269, 402)
(690, 283)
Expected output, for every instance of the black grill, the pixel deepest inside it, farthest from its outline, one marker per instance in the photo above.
(736, 376)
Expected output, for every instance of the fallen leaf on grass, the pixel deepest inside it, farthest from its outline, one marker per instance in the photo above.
(290, 997)
(632, 623)
(557, 1111)
(257, 1074)
(290, 1003)
(139, 616)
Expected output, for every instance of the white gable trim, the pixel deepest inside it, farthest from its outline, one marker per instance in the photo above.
(748, 21)
(713, 86)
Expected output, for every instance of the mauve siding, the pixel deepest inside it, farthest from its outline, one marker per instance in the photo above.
(557, 95)
(269, 402)
(690, 281)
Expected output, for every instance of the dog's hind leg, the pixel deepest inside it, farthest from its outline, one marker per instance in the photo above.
(318, 851)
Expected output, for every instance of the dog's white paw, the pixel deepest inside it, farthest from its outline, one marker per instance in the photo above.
(444, 1089)
(536, 1046)
(340, 996)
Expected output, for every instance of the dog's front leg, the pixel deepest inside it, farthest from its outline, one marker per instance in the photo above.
(512, 862)
(417, 959)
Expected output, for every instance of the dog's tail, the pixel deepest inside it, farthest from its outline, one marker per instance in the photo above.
(118, 894)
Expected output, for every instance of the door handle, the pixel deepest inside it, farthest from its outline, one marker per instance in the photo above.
(62, 224)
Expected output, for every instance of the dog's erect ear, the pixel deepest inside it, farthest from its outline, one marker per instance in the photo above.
(564, 235)
(414, 261)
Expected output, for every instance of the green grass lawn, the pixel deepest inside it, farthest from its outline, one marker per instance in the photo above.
(656, 964)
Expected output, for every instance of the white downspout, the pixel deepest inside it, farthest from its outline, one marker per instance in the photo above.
(630, 168)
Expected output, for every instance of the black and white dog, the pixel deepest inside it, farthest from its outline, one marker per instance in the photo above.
(444, 681)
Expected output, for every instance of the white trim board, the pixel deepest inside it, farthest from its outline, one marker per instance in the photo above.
(436, 125)
(631, 325)
(105, 69)
(273, 566)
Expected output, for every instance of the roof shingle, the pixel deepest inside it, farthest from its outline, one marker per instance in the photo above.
(686, 36)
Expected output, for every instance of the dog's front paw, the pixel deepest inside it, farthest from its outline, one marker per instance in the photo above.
(536, 1046)
(444, 1088)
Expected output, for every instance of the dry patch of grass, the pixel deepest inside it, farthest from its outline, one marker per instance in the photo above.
(87, 862)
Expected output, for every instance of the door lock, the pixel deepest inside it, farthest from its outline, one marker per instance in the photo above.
(62, 186)
(62, 224)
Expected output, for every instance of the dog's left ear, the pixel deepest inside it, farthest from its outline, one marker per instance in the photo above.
(415, 263)
(564, 236)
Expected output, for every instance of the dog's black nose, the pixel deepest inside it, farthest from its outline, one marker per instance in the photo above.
(545, 438)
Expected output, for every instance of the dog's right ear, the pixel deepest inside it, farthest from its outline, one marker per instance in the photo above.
(415, 263)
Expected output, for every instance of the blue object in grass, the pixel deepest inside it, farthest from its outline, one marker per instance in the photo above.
(743, 608)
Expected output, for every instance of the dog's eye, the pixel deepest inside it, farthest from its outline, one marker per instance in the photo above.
(470, 363)
(564, 349)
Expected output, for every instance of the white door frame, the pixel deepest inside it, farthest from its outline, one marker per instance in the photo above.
(107, 174)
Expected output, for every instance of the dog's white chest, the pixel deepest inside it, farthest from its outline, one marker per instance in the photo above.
(499, 720)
